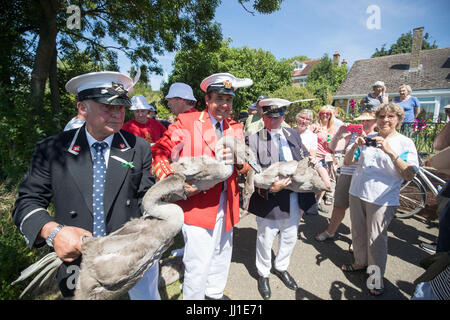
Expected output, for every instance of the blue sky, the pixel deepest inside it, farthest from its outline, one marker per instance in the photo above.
(316, 27)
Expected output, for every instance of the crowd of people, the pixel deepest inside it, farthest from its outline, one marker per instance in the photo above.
(372, 159)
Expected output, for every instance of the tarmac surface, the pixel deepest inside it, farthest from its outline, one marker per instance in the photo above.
(316, 266)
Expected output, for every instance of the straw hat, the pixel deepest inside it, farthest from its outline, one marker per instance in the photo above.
(366, 116)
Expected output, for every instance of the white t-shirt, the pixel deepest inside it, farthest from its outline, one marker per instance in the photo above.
(376, 180)
(309, 140)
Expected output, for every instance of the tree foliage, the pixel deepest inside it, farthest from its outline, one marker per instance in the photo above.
(297, 58)
(325, 78)
(403, 45)
(292, 93)
(40, 53)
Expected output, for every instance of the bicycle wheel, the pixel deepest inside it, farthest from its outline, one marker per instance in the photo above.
(413, 198)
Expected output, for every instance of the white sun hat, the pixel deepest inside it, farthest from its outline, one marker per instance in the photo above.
(181, 90)
(140, 103)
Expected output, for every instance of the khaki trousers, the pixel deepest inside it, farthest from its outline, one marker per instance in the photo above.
(369, 232)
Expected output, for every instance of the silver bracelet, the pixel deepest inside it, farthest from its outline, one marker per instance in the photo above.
(393, 161)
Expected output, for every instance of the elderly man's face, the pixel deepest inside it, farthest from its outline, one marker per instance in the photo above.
(219, 105)
(102, 120)
(176, 105)
(273, 123)
(141, 115)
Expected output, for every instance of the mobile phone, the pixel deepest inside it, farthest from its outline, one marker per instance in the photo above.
(370, 142)
(357, 128)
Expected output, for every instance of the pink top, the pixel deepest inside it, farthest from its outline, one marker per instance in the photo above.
(323, 137)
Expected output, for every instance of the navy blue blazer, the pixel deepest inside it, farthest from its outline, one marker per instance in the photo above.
(61, 172)
(263, 203)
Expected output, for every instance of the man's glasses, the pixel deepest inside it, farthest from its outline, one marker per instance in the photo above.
(304, 119)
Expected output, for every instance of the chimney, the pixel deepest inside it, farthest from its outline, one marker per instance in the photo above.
(414, 62)
(336, 56)
(344, 62)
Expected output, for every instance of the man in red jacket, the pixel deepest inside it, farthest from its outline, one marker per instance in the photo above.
(142, 125)
(209, 215)
(180, 98)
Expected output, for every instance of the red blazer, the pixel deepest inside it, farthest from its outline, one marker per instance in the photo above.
(194, 135)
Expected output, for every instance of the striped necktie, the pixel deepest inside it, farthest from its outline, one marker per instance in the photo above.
(280, 147)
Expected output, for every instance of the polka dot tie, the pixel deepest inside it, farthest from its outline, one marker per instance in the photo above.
(99, 177)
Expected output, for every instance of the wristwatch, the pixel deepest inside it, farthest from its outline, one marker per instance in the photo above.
(52, 235)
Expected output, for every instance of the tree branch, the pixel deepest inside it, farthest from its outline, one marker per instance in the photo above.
(242, 5)
(95, 43)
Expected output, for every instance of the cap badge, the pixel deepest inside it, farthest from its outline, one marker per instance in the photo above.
(118, 88)
(118, 91)
(227, 84)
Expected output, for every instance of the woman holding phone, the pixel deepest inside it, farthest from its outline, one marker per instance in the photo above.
(343, 140)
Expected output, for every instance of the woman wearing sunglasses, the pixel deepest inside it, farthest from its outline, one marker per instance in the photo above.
(325, 130)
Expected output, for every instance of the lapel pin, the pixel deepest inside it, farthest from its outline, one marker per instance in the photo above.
(124, 162)
(130, 164)
(76, 148)
(122, 145)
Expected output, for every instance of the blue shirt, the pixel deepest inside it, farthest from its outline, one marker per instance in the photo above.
(409, 107)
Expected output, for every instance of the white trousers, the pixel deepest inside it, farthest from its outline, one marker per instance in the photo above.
(207, 257)
(268, 230)
(147, 287)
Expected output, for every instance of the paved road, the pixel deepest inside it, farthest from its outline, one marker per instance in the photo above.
(316, 265)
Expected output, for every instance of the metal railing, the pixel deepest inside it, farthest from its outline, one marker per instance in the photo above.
(422, 133)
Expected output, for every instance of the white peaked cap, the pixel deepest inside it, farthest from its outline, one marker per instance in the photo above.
(102, 79)
(225, 81)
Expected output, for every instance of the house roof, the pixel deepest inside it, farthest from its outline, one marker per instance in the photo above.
(307, 69)
(394, 71)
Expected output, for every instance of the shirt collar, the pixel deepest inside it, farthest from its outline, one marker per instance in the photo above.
(91, 140)
(276, 131)
(214, 121)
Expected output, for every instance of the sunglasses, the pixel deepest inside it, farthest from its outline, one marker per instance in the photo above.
(325, 113)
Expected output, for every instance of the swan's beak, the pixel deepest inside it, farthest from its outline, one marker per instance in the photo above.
(255, 166)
